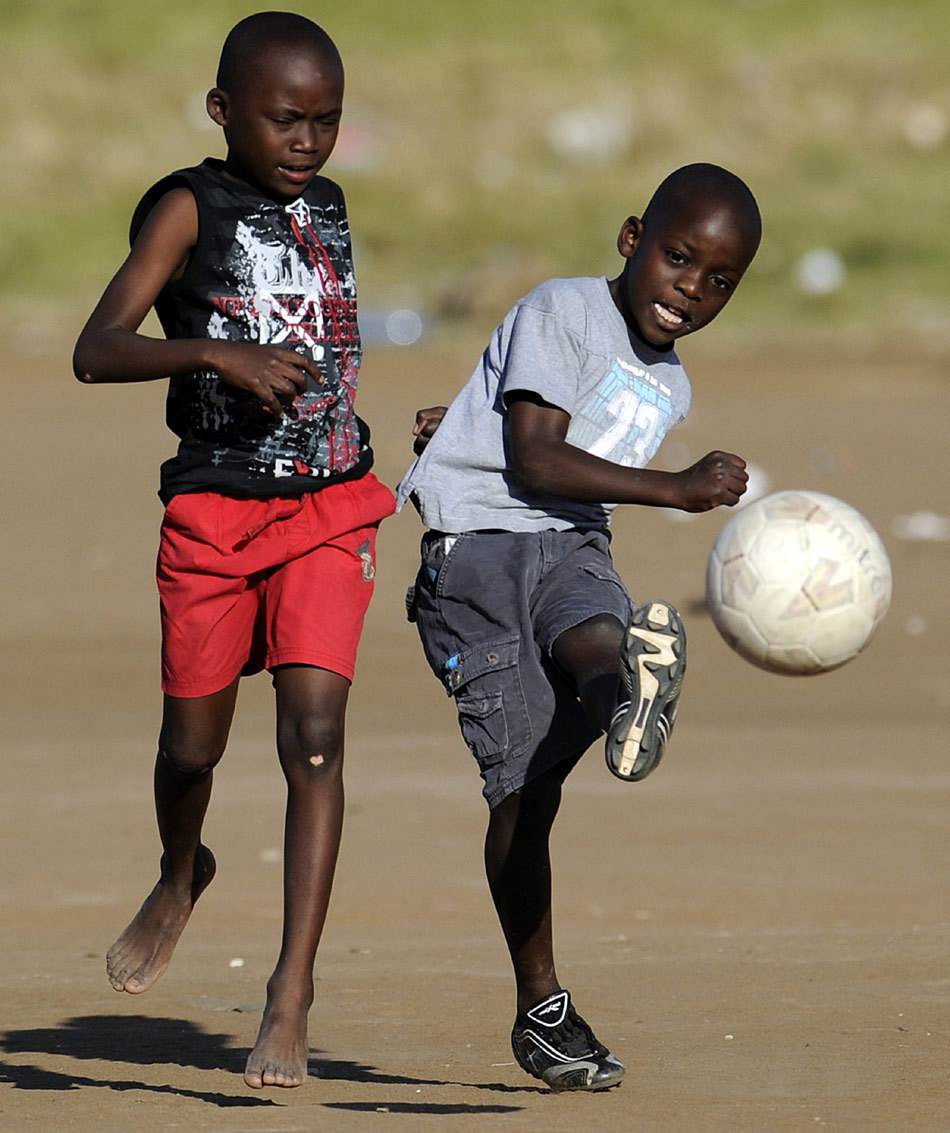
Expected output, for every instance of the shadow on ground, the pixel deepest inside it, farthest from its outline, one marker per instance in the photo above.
(138, 1039)
(146, 1041)
(135, 1039)
(340, 1070)
(420, 1107)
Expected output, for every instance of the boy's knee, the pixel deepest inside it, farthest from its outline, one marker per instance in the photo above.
(190, 757)
(590, 649)
(533, 805)
(602, 630)
(312, 743)
(541, 797)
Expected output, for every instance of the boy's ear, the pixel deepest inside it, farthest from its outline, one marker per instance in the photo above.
(629, 237)
(216, 104)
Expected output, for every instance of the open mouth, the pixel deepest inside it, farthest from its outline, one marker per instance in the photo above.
(671, 318)
(297, 173)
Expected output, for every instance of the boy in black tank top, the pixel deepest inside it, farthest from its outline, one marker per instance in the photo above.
(268, 541)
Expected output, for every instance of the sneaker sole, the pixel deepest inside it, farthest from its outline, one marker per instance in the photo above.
(585, 1080)
(653, 659)
(580, 1074)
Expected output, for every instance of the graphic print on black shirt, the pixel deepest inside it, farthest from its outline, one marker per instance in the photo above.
(276, 274)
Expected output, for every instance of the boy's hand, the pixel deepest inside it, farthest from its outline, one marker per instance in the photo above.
(718, 479)
(427, 421)
(275, 374)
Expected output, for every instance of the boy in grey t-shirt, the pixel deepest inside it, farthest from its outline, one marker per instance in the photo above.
(519, 609)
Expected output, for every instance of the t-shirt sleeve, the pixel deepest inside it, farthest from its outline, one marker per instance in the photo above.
(541, 356)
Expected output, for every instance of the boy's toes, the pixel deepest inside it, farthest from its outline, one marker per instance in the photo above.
(117, 972)
(287, 1076)
(252, 1072)
(271, 1074)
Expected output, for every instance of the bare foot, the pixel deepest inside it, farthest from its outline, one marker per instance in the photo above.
(144, 950)
(279, 1057)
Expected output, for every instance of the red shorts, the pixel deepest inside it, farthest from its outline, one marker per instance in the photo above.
(251, 584)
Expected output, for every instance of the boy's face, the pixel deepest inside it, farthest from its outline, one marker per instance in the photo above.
(682, 268)
(281, 124)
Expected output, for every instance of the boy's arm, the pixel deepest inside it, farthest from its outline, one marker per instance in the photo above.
(546, 464)
(109, 349)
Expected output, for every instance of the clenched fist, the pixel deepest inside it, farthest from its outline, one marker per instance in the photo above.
(718, 480)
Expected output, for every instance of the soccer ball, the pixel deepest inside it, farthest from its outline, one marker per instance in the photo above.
(798, 582)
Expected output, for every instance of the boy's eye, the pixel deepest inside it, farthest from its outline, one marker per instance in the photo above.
(675, 257)
(722, 283)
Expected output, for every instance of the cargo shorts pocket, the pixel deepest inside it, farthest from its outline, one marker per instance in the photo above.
(482, 721)
(486, 685)
(436, 553)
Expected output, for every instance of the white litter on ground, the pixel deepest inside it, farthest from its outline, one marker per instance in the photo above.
(922, 527)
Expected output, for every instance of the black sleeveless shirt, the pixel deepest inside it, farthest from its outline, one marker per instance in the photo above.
(273, 273)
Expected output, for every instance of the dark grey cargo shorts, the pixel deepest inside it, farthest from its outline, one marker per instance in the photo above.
(489, 607)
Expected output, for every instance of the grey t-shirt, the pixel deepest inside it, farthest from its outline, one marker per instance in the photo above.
(567, 342)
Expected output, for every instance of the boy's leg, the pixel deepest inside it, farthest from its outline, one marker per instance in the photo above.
(518, 865)
(193, 738)
(489, 608)
(311, 705)
(315, 604)
(590, 655)
(549, 1039)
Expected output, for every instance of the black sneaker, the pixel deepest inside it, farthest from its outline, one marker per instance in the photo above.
(652, 664)
(552, 1042)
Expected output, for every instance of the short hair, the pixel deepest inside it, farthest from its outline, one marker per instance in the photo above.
(717, 186)
(271, 31)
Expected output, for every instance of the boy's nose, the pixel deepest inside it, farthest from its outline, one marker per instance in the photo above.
(689, 285)
(305, 139)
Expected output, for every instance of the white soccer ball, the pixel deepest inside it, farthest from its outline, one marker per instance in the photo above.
(798, 582)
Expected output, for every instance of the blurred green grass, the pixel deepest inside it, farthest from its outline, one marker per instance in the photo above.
(465, 203)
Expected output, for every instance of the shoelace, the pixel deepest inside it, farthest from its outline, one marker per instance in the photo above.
(574, 1024)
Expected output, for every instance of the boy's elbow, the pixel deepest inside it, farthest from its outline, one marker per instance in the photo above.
(84, 367)
(530, 475)
(83, 374)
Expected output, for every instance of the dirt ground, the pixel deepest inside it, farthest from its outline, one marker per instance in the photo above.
(761, 931)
